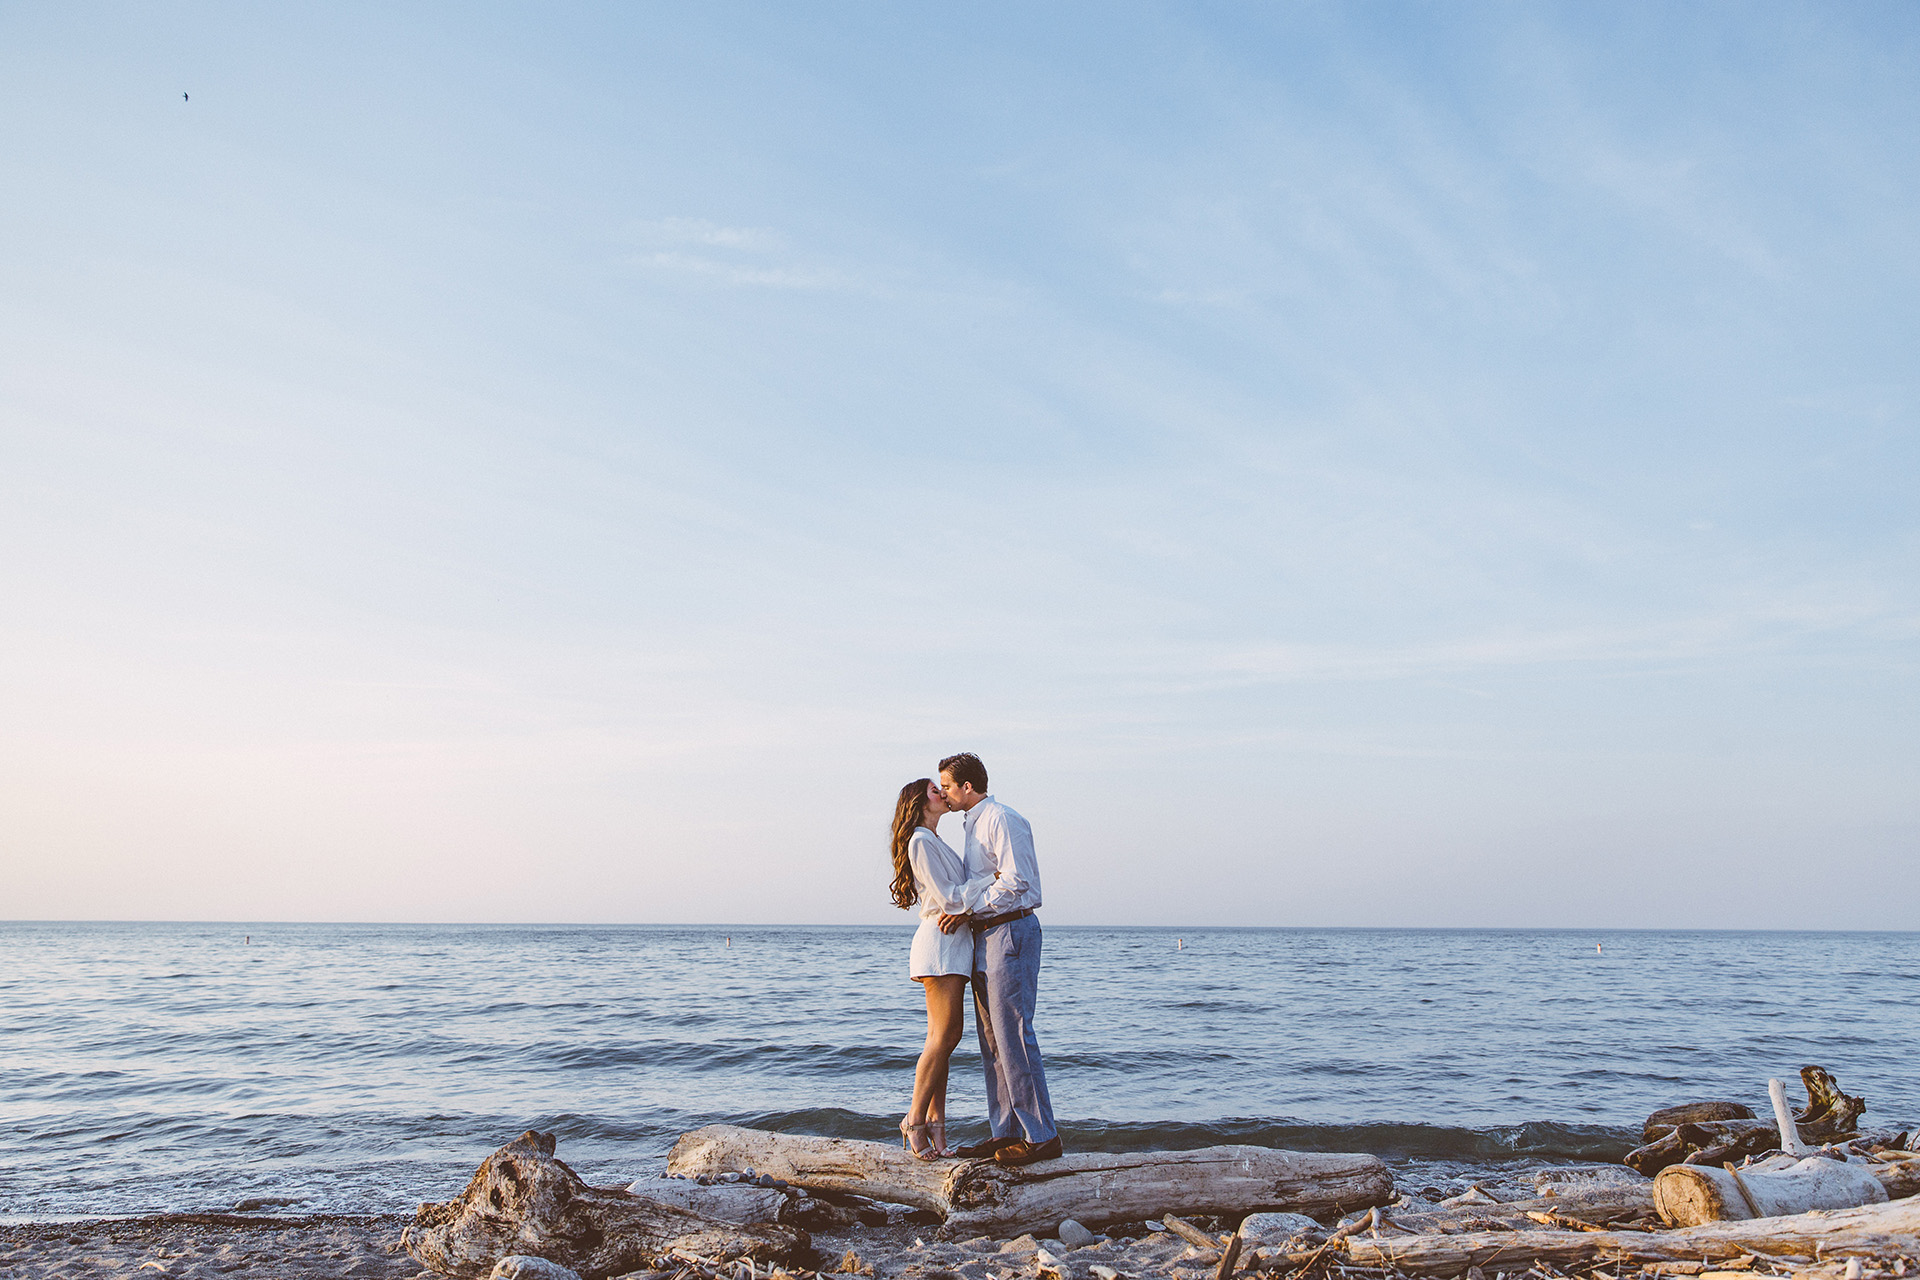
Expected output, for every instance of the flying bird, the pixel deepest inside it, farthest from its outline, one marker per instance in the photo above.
(183, 97)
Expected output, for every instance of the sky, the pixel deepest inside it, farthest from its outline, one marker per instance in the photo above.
(1338, 464)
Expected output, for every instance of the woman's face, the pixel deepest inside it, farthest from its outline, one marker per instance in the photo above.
(936, 803)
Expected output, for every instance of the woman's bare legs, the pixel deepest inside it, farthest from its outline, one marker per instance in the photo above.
(946, 1018)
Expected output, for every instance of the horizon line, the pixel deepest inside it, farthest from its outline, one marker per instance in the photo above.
(740, 925)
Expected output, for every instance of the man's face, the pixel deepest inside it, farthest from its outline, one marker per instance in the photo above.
(955, 794)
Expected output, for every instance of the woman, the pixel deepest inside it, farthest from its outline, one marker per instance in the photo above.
(926, 871)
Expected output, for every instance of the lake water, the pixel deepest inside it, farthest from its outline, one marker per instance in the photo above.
(148, 1067)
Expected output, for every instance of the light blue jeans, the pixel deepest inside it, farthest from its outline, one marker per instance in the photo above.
(1006, 978)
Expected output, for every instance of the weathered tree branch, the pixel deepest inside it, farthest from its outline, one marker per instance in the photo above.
(1666, 1119)
(1871, 1230)
(1594, 1206)
(1829, 1112)
(979, 1196)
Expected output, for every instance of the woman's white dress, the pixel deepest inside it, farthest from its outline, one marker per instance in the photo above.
(940, 875)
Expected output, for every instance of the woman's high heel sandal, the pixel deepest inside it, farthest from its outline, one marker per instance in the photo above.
(926, 1152)
(938, 1140)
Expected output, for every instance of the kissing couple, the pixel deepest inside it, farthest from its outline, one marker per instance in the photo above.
(976, 924)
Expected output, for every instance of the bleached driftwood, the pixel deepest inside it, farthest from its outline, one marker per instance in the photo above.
(726, 1203)
(1898, 1171)
(1783, 1119)
(524, 1201)
(1879, 1230)
(1690, 1194)
(1587, 1207)
(1678, 1134)
(979, 1196)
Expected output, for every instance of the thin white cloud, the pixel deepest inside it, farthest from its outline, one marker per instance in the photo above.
(683, 231)
(748, 257)
(737, 273)
(1774, 629)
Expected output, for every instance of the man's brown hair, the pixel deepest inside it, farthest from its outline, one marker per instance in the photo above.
(965, 768)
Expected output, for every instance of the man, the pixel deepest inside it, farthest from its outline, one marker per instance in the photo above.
(1006, 968)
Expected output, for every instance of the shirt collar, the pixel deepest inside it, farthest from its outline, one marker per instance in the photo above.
(975, 811)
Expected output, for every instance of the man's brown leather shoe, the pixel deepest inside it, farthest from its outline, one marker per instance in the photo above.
(983, 1149)
(1023, 1152)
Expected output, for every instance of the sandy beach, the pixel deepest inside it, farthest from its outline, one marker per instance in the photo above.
(851, 1237)
(335, 1247)
(201, 1246)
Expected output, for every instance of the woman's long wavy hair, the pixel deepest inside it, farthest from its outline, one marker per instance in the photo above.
(909, 813)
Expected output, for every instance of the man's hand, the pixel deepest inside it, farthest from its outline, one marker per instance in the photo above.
(949, 923)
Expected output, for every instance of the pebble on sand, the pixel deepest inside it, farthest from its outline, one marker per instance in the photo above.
(1258, 1230)
(520, 1266)
(1075, 1236)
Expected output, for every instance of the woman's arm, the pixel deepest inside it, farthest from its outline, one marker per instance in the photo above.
(936, 891)
(974, 891)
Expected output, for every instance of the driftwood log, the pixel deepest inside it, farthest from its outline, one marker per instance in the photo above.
(525, 1201)
(980, 1197)
(1706, 1142)
(1829, 1112)
(1712, 1133)
(1899, 1171)
(1880, 1230)
(1587, 1207)
(726, 1203)
(1690, 1194)
(1667, 1118)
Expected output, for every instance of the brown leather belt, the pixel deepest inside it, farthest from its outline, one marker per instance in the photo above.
(1009, 917)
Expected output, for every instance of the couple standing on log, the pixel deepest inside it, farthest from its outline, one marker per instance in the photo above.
(976, 922)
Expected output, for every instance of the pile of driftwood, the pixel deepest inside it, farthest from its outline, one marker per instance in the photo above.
(525, 1202)
(1712, 1133)
(1820, 1189)
(1559, 1239)
(1813, 1158)
(1790, 1203)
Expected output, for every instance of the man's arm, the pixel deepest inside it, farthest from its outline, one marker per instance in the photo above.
(996, 838)
(970, 895)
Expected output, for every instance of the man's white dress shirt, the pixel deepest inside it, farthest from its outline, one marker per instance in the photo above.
(1000, 842)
